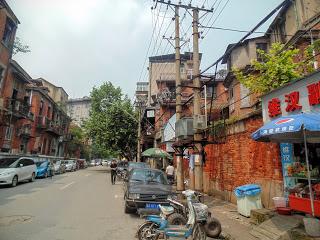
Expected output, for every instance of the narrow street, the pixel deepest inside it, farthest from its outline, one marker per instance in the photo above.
(77, 205)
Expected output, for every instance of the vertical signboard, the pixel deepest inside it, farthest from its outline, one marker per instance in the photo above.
(287, 165)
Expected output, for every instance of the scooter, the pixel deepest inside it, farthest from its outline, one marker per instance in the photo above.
(177, 214)
(156, 227)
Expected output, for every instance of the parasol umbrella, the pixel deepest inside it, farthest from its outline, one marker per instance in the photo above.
(156, 153)
(303, 127)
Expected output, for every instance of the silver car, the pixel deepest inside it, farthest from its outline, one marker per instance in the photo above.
(59, 167)
(71, 165)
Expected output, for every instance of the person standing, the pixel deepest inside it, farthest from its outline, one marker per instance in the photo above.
(113, 167)
(170, 172)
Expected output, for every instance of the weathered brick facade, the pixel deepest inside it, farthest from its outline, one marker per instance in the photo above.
(241, 160)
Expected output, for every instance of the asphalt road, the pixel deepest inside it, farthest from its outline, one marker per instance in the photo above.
(81, 205)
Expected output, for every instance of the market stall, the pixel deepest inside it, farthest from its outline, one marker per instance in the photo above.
(304, 129)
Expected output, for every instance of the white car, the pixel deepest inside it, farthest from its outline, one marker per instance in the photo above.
(105, 163)
(92, 163)
(16, 169)
(71, 165)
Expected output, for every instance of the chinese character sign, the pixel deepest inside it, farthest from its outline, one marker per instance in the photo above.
(314, 93)
(286, 150)
(292, 100)
(274, 107)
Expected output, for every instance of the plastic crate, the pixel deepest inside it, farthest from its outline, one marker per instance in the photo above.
(304, 205)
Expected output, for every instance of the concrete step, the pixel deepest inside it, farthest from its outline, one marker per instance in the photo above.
(270, 234)
(276, 228)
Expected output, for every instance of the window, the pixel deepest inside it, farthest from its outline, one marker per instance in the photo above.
(41, 107)
(9, 131)
(1, 75)
(244, 95)
(263, 47)
(8, 31)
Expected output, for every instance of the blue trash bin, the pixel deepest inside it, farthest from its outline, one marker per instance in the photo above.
(248, 198)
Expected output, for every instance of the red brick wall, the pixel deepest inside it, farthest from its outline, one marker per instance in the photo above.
(241, 160)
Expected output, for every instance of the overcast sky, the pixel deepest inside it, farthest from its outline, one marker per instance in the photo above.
(78, 44)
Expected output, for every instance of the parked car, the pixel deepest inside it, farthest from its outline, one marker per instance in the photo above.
(105, 162)
(146, 188)
(59, 167)
(93, 163)
(98, 162)
(80, 163)
(133, 165)
(16, 169)
(71, 165)
(42, 169)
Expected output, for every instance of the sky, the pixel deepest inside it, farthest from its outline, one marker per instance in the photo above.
(79, 44)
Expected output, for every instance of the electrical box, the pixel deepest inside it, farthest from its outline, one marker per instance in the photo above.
(184, 128)
(199, 122)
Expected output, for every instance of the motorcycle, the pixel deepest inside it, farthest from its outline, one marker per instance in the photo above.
(121, 174)
(159, 226)
(176, 214)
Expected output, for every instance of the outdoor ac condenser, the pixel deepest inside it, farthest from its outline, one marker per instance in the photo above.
(184, 128)
(199, 122)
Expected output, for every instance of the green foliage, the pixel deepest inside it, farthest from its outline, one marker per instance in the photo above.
(277, 68)
(18, 46)
(77, 143)
(112, 124)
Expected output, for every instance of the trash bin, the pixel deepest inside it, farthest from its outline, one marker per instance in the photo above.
(248, 198)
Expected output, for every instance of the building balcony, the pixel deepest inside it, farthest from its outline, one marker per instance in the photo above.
(54, 128)
(24, 131)
(18, 108)
(42, 122)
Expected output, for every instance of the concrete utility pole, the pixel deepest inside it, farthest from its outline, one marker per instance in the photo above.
(197, 182)
(139, 135)
(180, 175)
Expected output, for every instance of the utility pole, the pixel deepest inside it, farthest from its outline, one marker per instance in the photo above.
(180, 173)
(139, 135)
(198, 174)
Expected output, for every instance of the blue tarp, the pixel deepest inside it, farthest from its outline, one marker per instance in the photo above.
(289, 129)
(247, 190)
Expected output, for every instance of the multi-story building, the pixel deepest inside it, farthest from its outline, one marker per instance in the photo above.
(57, 94)
(231, 163)
(79, 109)
(50, 127)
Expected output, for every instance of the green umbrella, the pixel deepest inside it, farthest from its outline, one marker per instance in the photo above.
(156, 153)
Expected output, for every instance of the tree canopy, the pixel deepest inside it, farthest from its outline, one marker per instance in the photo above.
(276, 68)
(112, 124)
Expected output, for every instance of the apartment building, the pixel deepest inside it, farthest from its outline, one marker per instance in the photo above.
(78, 109)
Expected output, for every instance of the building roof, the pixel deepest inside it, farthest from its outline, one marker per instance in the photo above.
(50, 83)
(83, 99)
(171, 57)
(20, 72)
(233, 46)
(4, 4)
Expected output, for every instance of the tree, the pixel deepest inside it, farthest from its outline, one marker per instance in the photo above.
(277, 67)
(18, 46)
(112, 124)
(77, 147)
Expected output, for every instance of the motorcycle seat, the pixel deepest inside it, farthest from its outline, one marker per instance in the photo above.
(166, 210)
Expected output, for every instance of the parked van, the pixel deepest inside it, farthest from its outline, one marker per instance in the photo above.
(16, 169)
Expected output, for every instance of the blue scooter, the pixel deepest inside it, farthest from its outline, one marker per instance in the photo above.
(157, 227)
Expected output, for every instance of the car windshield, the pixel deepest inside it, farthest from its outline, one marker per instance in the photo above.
(8, 162)
(149, 176)
(122, 164)
(41, 164)
(58, 162)
(138, 165)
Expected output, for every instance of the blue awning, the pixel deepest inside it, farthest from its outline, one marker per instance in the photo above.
(289, 129)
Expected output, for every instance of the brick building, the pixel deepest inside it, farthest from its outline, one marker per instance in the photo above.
(237, 159)
(31, 121)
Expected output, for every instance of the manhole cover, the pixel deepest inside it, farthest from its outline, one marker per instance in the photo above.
(16, 219)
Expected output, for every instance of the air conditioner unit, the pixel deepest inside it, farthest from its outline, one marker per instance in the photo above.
(199, 122)
(184, 128)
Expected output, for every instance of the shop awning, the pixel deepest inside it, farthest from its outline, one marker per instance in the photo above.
(290, 129)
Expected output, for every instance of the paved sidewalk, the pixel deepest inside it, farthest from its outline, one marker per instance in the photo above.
(234, 226)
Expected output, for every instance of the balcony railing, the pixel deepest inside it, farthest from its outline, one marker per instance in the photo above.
(18, 107)
(25, 130)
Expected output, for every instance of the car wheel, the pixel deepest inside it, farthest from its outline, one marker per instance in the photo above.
(33, 176)
(128, 210)
(14, 181)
